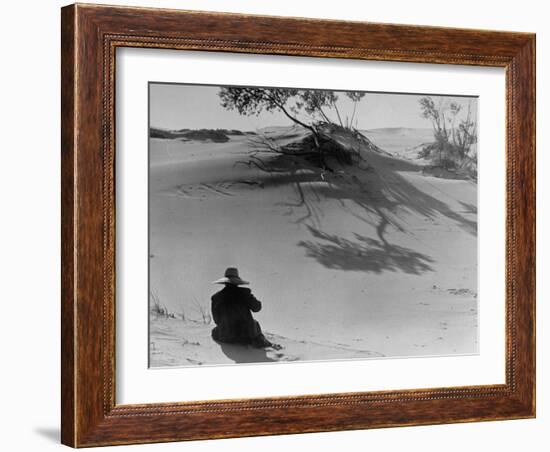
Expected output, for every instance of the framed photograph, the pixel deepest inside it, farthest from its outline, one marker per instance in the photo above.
(280, 225)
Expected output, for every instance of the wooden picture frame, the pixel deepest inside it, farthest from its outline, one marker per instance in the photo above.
(90, 36)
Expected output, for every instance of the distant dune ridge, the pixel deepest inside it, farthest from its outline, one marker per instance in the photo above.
(214, 135)
(400, 131)
(405, 142)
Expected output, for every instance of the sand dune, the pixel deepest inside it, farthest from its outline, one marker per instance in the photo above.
(182, 343)
(402, 142)
(365, 258)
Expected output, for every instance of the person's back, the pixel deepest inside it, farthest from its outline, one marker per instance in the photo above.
(232, 309)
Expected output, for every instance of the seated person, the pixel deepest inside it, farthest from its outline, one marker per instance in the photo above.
(232, 309)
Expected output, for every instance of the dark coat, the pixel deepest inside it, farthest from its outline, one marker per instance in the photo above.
(231, 311)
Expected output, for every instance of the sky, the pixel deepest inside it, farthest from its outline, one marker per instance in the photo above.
(179, 106)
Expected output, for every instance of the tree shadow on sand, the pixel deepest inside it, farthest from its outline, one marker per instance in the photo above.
(386, 193)
(364, 254)
(382, 195)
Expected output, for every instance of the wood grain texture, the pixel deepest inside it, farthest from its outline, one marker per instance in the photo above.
(90, 36)
(67, 226)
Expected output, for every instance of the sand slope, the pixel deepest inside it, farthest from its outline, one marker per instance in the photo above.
(179, 343)
(381, 261)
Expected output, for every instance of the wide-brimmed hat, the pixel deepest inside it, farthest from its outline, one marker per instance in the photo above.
(231, 277)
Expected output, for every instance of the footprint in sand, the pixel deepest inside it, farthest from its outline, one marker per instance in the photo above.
(216, 189)
(194, 361)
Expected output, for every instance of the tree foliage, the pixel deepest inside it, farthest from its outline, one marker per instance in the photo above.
(355, 97)
(305, 107)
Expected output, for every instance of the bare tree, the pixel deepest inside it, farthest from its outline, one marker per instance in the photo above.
(465, 134)
(355, 97)
(453, 136)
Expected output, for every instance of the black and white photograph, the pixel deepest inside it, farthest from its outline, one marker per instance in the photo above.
(297, 224)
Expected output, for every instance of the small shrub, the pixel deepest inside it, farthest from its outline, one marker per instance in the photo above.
(455, 139)
(204, 312)
(155, 306)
